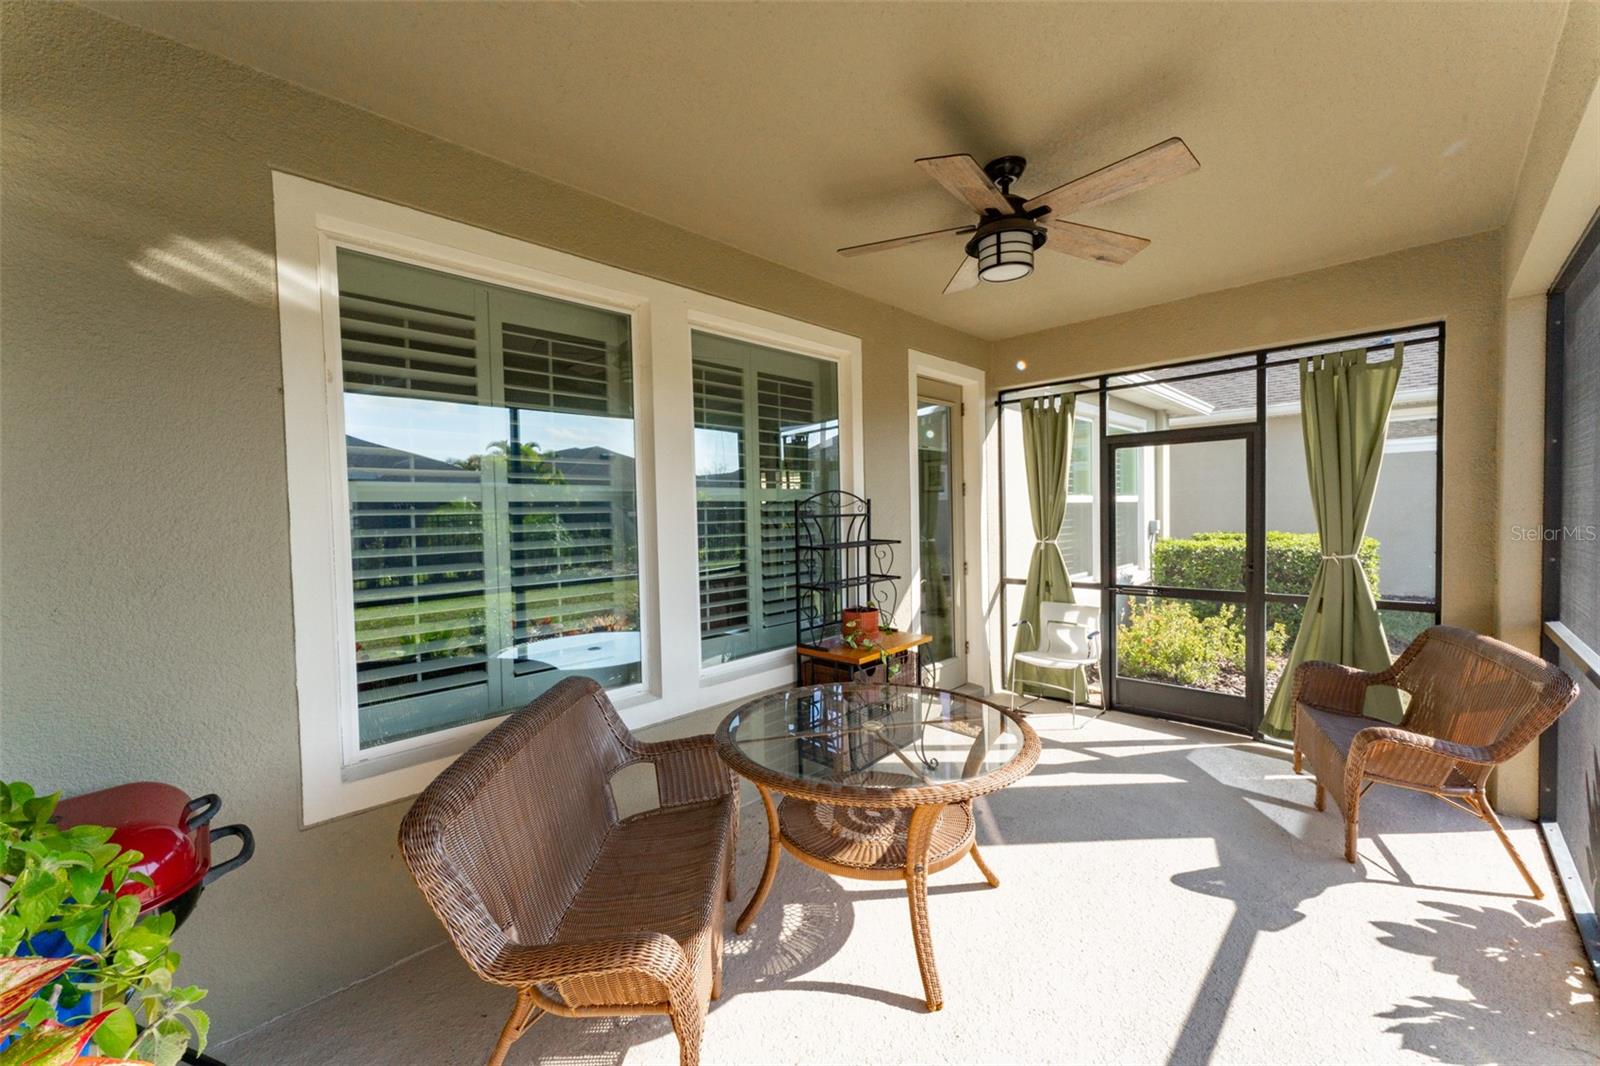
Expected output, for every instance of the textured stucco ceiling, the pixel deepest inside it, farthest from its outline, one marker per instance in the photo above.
(1326, 132)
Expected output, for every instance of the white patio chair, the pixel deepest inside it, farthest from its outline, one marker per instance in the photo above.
(1070, 641)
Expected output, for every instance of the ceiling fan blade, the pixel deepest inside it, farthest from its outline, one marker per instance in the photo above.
(1161, 162)
(965, 180)
(1087, 242)
(897, 242)
(965, 277)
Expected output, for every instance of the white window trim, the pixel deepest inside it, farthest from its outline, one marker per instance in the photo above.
(1090, 414)
(313, 221)
(1410, 444)
(1132, 423)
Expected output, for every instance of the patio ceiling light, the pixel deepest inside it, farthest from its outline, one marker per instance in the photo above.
(1005, 255)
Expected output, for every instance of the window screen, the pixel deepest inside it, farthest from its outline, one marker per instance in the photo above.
(1573, 536)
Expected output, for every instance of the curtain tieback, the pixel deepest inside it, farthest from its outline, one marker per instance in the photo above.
(1335, 558)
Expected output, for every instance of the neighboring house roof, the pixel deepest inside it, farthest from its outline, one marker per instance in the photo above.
(375, 456)
(1419, 371)
(579, 463)
(572, 463)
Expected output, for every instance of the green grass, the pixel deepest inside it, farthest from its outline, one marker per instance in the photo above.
(459, 617)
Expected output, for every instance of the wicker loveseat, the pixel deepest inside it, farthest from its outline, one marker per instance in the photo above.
(1474, 703)
(520, 852)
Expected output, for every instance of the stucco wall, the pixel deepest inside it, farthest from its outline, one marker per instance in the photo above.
(146, 623)
(1519, 608)
(1545, 217)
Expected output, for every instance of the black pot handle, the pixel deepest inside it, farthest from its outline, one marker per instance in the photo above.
(247, 848)
(200, 810)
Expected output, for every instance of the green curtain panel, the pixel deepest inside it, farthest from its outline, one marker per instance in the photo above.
(1345, 405)
(1046, 452)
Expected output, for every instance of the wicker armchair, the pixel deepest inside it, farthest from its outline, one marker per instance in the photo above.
(518, 849)
(1474, 703)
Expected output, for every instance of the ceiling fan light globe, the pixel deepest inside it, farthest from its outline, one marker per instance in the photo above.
(1006, 272)
(1005, 256)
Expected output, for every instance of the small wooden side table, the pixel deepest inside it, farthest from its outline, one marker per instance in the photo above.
(832, 660)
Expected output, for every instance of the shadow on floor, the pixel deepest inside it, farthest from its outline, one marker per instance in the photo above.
(1275, 854)
(806, 919)
(1267, 869)
(1485, 948)
(1229, 807)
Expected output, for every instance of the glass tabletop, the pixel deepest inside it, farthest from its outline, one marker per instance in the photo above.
(872, 736)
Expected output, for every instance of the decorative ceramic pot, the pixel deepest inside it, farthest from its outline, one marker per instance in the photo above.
(860, 622)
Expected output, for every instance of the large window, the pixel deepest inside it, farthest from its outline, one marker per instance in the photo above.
(487, 451)
(489, 440)
(766, 434)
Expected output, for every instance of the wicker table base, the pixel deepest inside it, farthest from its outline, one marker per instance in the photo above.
(875, 782)
(874, 844)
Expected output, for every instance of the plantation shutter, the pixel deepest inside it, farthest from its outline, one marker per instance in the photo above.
(497, 513)
(766, 435)
(568, 529)
(421, 565)
(786, 413)
(719, 410)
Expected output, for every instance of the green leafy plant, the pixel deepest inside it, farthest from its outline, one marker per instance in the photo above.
(1216, 560)
(1277, 640)
(1195, 642)
(67, 881)
(1168, 641)
(46, 1043)
(860, 640)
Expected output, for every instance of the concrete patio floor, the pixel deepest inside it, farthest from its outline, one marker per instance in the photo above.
(1167, 895)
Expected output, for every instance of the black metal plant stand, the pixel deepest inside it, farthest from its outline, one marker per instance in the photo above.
(838, 564)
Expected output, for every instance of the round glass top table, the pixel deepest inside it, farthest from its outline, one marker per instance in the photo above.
(876, 781)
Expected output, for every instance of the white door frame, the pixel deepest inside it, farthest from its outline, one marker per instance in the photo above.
(972, 382)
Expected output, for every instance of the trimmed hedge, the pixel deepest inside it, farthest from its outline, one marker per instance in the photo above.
(1216, 560)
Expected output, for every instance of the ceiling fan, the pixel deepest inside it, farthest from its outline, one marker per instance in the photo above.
(1009, 229)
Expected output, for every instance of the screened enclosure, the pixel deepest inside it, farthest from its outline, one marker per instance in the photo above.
(1569, 753)
(1189, 521)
